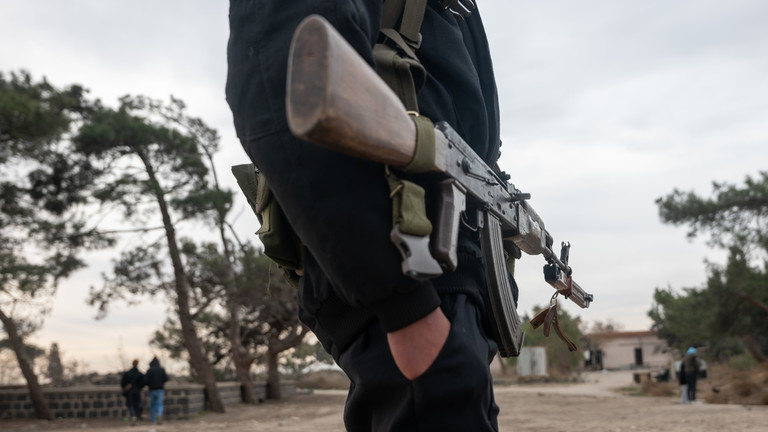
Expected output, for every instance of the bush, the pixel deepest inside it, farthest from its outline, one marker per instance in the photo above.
(742, 362)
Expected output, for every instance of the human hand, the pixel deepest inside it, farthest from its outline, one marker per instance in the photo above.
(416, 346)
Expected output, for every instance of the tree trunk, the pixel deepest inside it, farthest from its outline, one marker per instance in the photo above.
(35, 391)
(275, 346)
(197, 357)
(243, 363)
(273, 376)
(754, 348)
(754, 302)
(240, 356)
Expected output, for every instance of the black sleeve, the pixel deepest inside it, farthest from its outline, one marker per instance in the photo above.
(338, 205)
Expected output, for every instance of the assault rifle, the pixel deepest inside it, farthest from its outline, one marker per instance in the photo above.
(337, 101)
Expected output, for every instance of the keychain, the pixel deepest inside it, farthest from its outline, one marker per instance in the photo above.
(547, 317)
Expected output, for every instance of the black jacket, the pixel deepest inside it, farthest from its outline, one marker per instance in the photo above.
(155, 377)
(681, 379)
(133, 377)
(339, 205)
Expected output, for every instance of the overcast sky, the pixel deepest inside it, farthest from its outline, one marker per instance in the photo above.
(606, 105)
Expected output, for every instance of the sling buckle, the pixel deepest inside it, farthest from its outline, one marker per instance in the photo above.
(460, 8)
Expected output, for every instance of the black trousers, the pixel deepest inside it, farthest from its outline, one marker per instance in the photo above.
(690, 378)
(133, 402)
(454, 394)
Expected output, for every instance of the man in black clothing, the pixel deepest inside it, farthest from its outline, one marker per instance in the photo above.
(131, 383)
(155, 379)
(692, 367)
(416, 351)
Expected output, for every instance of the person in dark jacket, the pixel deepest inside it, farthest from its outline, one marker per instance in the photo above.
(131, 383)
(155, 379)
(691, 372)
(417, 351)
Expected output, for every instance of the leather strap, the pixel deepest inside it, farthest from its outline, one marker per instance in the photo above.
(547, 317)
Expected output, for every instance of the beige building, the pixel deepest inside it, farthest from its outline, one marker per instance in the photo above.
(628, 350)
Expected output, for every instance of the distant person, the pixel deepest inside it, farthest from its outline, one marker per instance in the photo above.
(131, 384)
(691, 363)
(155, 379)
(682, 380)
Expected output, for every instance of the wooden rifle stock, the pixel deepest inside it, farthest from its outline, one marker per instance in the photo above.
(335, 99)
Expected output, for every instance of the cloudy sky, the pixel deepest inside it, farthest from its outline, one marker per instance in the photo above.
(606, 106)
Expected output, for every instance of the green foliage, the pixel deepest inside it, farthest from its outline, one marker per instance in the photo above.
(729, 313)
(35, 115)
(213, 338)
(305, 355)
(733, 216)
(679, 319)
(169, 338)
(742, 362)
(44, 187)
(136, 272)
(206, 273)
(268, 307)
(152, 160)
(145, 153)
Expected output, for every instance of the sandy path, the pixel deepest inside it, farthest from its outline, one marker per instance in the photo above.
(592, 406)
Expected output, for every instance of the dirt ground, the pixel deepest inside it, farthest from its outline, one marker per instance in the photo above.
(595, 405)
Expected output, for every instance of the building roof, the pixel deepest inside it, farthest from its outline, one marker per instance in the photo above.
(625, 334)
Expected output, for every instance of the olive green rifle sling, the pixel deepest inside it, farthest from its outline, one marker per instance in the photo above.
(399, 67)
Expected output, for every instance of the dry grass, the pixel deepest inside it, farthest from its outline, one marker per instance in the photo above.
(726, 385)
(653, 388)
(323, 380)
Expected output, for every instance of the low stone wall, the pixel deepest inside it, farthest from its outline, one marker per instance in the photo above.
(230, 393)
(182, 401)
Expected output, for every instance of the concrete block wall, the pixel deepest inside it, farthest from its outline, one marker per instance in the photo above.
(230, 393)
(182, 401)
(80, 402)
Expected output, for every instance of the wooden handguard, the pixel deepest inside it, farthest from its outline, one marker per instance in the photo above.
(328, 83)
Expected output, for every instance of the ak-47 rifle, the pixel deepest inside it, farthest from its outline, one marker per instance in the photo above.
(337, 101)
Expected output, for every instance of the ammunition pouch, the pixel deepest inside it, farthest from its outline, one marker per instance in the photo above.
(408, 208)
(281, 244)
